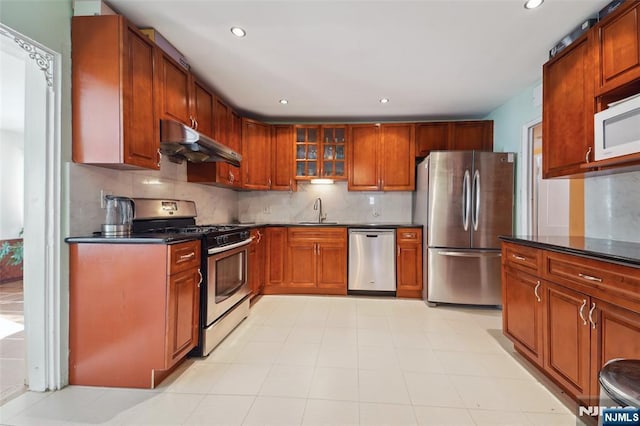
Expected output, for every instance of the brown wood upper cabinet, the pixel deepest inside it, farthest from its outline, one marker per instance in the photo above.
(113, 78)
(568, 107)
(381, 157)
(617, 52)
(453, 135)
(226, 128)
(256, 160)
(175, 91)
(188, 100)
(320, 152)
(281, 161)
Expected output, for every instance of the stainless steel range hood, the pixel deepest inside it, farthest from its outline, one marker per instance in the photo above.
(178, 140)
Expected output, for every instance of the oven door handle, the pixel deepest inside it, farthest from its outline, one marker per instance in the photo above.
(230, 246)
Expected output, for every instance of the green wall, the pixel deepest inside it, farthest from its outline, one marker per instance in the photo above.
(508, 121)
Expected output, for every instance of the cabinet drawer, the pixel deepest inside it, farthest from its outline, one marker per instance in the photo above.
(184, 256)
(610, 282)
(409, 235)
(521, 257)
(317, 234)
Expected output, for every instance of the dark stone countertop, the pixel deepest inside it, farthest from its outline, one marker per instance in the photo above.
(144, 238)
(336, 224)
(161, 238)
(621, 252)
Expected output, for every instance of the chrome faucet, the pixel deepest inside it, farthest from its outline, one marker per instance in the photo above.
(317, 205)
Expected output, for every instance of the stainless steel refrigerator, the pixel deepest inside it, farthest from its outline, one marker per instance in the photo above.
(464, 199)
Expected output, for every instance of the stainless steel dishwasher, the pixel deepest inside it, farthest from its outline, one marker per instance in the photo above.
(372, 261)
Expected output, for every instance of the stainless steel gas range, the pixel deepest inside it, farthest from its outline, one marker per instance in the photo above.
(224, 297)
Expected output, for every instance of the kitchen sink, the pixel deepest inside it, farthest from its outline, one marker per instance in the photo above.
(317, 223)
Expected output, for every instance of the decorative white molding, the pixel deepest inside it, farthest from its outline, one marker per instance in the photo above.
(44, 60)
(46, 322)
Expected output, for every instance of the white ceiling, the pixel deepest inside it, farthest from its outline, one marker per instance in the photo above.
(336, 59)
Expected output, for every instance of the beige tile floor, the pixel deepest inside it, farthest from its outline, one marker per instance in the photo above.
(301, 360)
(12, 345)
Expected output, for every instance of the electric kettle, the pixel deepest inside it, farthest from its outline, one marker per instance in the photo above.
(119, 216)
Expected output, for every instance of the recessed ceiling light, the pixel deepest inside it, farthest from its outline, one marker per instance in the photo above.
(238, 32)
(532, 4)
(283, 101)
(384, 100)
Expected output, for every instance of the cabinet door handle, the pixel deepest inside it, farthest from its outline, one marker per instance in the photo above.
(584, 303)
(201, 278)
(188, 256)
(398, 250)
(590, 278)
(593, 307)
(196, 121)
(521, 258)
(159, 157)
(535, 291)
(269, 182)
(290, 185)
(586, 157)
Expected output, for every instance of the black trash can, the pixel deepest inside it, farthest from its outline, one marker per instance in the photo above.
(620, 387)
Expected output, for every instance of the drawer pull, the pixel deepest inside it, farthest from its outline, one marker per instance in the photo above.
(521, 258)
(593, 307)
(188, 256)
(584, 303)
(590, 278)
(535, 291)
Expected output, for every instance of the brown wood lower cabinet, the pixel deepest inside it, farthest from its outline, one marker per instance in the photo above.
(306, 260)
(567, 338)
(570, 315)
(131, 319)
(409, 262)
(522, 312)
(256, 268)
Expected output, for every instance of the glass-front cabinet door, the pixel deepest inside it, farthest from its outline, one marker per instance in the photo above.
(333, 152)
(320, 151)
(307, 141)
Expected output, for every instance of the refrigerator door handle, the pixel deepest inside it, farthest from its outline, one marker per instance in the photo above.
(469, 254)
(466, 199)
(476, 196)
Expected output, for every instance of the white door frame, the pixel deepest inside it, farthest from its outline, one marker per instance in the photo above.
(46, 361)
(526, 178)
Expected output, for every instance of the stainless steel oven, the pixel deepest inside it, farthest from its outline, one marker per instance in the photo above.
(224, 294)
(227, 301)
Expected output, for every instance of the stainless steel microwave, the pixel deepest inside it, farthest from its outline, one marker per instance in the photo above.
(617, 129)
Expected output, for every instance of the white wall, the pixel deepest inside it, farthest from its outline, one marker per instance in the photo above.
(12, 104)
(215, 205)
(339, 205)
(11, 184)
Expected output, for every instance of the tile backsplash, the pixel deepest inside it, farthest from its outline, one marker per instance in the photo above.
(220, 205)
(612, 207)
(214, 205)
(338, 203)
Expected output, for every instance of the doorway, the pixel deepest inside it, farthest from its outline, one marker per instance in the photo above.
(36, 209)
(546, 203)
